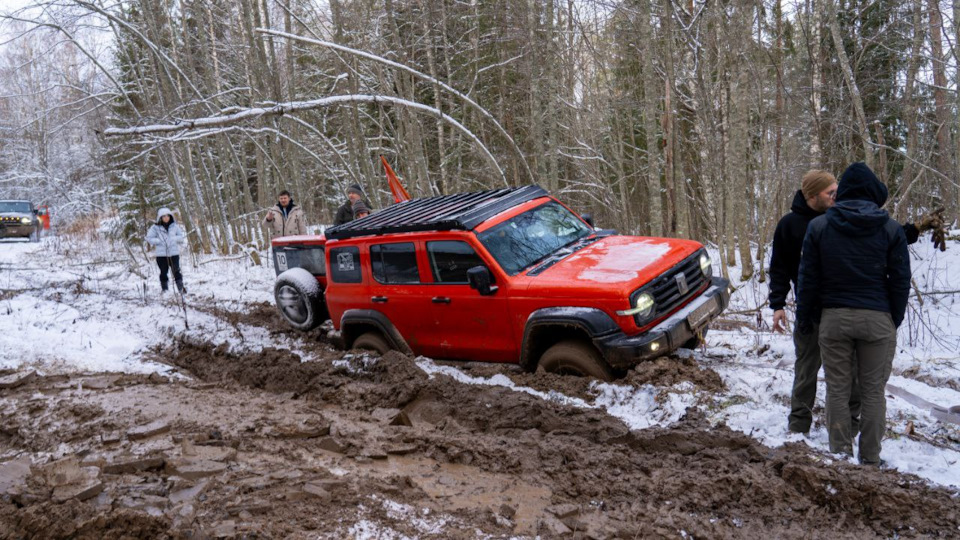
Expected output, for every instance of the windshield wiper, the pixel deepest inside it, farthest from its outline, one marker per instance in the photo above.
(552, 258)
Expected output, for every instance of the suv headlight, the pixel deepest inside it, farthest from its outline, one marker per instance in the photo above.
(25, 221)
(706, 265)
(643, 307)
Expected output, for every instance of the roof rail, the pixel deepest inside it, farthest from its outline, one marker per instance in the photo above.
(462, 211)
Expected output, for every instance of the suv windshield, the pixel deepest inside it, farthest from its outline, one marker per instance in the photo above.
(524, 240)
(16, 206)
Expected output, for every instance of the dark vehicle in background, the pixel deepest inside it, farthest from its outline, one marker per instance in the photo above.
(19, 219)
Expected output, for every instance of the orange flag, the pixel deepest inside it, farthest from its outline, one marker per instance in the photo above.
(399, 194)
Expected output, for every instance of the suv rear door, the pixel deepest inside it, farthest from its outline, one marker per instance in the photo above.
(464, 324)
(396, 289)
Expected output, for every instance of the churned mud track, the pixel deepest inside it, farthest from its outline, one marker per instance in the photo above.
(706, 481)
(264, 444)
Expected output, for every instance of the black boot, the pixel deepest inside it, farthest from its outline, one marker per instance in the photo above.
(180, 287)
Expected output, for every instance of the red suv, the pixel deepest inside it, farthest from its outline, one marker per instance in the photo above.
(508, 275)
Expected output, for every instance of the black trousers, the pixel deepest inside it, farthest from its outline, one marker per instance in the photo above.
(170, 262)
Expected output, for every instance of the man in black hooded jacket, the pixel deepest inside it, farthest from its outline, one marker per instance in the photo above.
(817, 194)
(854, 281)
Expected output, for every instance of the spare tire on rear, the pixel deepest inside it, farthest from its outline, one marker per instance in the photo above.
(300, 299)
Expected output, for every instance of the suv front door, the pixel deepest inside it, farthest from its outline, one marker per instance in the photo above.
(465, 325)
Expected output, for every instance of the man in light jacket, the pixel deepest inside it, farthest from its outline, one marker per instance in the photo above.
(165, 236)
(286, 218)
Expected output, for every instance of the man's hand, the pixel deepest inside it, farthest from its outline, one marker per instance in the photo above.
(270, 216)
(780, 321)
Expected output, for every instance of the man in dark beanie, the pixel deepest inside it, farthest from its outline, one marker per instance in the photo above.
(345, 212)
(360, 210)
(854, 281)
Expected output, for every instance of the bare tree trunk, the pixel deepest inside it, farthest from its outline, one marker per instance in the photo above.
(650, 101)
(910, 110)
(848, 75)
(671, 212)
(944, 147)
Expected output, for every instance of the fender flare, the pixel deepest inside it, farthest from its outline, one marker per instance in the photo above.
(593, 322)
(371, 317)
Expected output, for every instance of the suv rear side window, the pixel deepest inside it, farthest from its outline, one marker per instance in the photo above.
(345, 265)
(450, 260)
(394, 263)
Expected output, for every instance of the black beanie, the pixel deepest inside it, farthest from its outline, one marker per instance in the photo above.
(355, 188)
(859, 183)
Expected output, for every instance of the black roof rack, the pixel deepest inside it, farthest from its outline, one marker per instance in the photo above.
(462, 211)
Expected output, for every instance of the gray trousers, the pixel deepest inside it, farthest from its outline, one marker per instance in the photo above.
(804, 395)
(857, 343)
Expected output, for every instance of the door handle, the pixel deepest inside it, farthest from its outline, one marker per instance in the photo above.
(379, 299)
(440, 300)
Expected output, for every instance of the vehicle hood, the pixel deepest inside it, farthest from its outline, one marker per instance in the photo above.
(613, 266)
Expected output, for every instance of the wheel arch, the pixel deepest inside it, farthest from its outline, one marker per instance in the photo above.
(548, 326)
(355, 322)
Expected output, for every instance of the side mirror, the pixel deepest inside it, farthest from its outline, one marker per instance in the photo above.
(480, 279)
(588, 217)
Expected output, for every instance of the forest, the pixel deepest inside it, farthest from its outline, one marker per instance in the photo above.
(672, 118)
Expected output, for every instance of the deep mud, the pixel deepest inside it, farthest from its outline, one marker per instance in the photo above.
(264, 444)
(668, 371)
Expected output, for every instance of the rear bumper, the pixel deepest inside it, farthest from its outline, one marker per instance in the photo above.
(623, 351)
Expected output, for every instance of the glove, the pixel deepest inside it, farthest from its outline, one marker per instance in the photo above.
(933, 220)
(805, 328)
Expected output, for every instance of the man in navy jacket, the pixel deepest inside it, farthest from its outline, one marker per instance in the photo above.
(854, 281)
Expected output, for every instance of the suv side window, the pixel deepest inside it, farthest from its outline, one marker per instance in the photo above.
(394, 263)
(450, 260)
(345, 265)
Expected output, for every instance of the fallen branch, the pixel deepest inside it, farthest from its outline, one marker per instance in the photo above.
(297, 106)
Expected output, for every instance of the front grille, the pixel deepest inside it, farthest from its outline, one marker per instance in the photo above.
(666, 290)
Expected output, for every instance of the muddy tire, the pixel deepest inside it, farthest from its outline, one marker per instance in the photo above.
(372, 341)
(696, 341)
(299, 299)
(576, 358)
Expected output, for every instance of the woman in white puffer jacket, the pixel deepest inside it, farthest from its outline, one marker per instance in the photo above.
(165, 235)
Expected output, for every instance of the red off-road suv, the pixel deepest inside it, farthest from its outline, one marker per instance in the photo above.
(509, 275)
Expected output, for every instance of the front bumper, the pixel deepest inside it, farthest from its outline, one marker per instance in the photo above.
(622, 351)
(16, 231)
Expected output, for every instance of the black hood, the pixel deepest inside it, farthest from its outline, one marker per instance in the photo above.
(287, 208)
(858, 183)
(801, 207)
(857, 218)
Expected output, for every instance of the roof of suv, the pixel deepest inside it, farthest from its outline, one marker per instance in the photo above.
(462, 211)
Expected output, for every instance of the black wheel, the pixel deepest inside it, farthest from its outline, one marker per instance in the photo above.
(299, 299)
(372, 341)
(35, 235)
(576, 358)
(697, 340)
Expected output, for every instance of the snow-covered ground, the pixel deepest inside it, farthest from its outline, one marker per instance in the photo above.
(67, 305)
(71, 305)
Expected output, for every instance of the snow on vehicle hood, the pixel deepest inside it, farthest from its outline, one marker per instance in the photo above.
(616, 265)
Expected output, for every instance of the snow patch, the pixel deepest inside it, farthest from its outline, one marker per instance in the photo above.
(619, 263)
